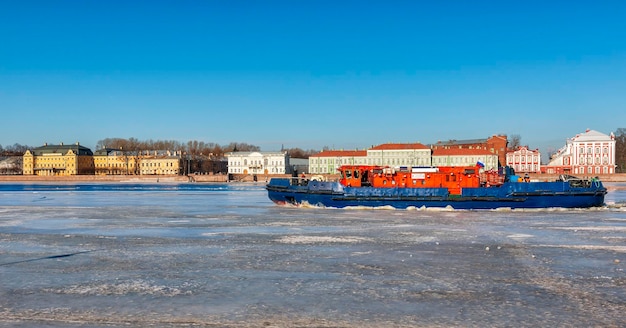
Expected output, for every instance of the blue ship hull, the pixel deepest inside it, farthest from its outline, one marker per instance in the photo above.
(509, 195)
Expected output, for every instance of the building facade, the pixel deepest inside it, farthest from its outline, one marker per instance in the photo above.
(399, 154)
(117, 162)
(591, 152)
(58, 160)
(161, 162)
(496, 144)
(328, 161)
(465, 157)
(402, 155)
(524, 160)
(251, 163)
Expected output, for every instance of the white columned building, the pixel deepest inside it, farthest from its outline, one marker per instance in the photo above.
(586, 153)
(250, 163)
(524, 160)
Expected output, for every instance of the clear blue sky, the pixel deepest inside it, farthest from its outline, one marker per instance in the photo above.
(309, 74)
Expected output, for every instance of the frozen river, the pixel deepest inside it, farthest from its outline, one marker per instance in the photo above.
(187, 255)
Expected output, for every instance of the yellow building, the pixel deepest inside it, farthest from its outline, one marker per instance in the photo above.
(159, 163)
(62, 160)
(117, 162)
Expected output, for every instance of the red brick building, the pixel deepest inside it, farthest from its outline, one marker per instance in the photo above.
(496, 144)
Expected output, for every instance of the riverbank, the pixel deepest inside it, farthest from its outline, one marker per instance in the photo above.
(219, 178)
(618, 177)
(94, 178)
(208, 178)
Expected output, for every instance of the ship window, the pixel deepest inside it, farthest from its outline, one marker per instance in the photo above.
(356, 174)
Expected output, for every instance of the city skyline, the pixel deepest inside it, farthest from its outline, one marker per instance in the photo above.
(344, 75)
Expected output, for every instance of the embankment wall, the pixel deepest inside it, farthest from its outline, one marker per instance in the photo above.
(221, 178)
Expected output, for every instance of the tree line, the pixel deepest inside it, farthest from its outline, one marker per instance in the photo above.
(192, 148)
(14, 150)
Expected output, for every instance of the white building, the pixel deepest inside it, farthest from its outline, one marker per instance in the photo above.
(464, 157)
(399, 154)
(258, 163)
(391, 154)
(524, 160)
(590, 153)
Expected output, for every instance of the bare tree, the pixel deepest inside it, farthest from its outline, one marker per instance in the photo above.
(193, 148)
(300, 153)
(234, 146)
(515, 141)
(620, 150)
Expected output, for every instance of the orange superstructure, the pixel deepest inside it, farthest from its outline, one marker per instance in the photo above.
(454, 178)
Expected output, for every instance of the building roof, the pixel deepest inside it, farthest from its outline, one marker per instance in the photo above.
(400, 146)
(469, 141)
(62, 149)
(521, 149)
(341, 153)
(461, 142)
(462, 152)
(143, 153)
(591, 135)
(106, 151)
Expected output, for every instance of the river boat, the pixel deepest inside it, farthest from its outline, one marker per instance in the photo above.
(459, 187)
